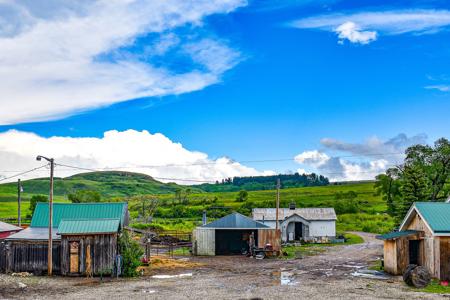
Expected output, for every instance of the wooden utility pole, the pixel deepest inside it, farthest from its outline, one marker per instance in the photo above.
(50, 221)
(19, 200)
(278, 202)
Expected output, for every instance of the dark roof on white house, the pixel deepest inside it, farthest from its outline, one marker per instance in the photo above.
(235, 221)
(309, 214)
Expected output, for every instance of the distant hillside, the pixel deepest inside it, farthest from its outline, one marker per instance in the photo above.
(258, 183)
(108, 184)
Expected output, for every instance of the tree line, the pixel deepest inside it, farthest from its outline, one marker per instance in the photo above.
(423, 176)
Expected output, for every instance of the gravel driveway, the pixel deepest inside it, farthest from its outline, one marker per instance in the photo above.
(330, 275)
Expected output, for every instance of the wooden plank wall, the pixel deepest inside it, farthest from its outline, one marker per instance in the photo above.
(390, 257)
(103, 251)
(402, 245)
(25, 256)
(444, 258)
(269, 236)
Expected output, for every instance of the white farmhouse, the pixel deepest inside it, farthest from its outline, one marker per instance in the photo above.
(300, 224)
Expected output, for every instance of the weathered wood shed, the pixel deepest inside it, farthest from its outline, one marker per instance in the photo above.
(85, 239)
(423, 239)
(230, 235)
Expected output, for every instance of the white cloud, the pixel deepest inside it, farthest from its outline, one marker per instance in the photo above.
(350, 31)
(60, 57)
(314, 158)
(136, 151)
(369, 24)
(358, 161)
(439, 87)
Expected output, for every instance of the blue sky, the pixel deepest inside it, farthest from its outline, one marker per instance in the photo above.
(279, 78)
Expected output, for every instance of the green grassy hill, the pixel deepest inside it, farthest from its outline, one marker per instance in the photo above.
(366, 212)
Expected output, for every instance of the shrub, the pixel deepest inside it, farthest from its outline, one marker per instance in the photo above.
(131, 253)
(34, 201)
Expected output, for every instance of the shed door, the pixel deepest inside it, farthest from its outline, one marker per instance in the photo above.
(414, 252)
(74, 257)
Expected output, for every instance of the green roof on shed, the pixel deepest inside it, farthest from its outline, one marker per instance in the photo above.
(436, 214)
(236, 220)
(86, 226)
(70, 211)
(396, 234)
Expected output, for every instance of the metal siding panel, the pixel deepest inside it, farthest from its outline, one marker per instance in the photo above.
(205, 241)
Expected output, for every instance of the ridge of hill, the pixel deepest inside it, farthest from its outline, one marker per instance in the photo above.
(109, 184)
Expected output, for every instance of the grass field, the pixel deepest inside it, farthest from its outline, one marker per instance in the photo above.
(368, 213)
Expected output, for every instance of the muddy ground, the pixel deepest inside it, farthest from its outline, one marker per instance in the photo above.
(330, 275)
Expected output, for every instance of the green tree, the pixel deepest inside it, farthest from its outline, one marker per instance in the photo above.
(424, 176)
(389, 186)
(35, 200)
(242, 196)
(84, 196)
(131, 253)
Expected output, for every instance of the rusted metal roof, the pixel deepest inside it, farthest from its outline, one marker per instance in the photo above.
(33, 233)
(310, 214)
(5, 227)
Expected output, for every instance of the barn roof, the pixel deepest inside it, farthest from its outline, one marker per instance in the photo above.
(435, 214)
(33, 233)
(5, 227)
(310, 214)
(86, 226)
(70, 211)
(235, 221)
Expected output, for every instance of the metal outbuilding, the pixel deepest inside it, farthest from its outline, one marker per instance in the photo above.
(230, 235)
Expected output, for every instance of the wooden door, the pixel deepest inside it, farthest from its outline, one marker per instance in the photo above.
(74, 257)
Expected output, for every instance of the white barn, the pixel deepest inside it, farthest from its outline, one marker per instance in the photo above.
(300, 224)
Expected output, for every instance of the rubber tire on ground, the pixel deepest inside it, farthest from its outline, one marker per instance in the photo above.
(417, 276)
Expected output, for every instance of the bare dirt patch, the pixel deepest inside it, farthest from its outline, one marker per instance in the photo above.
(325, 276)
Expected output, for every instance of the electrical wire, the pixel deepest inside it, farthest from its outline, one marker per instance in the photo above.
(23, 173)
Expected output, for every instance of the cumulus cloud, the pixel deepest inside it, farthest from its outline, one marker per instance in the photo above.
(363, 27)
(61, 57)
(136, 151)
(357, 161)
(350, 31)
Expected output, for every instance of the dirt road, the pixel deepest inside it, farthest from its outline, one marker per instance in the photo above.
(328, 275)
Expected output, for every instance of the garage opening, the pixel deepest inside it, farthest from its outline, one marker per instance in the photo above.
(230, 242)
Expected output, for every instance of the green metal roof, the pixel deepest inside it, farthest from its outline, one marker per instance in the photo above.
(236, 220)
(86, 226)
(70, 211)
(436, 214)
(396, 234)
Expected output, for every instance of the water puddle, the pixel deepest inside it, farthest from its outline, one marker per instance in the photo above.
(372, 274)
(172, 276)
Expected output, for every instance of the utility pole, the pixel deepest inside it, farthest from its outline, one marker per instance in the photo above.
(50, 216)
(19, 200)
(278, 202)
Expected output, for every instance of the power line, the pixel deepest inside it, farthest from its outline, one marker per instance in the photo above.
(229, 162)
(23, 173)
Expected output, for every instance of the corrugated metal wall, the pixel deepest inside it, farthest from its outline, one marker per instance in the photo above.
(204, 241)
(269, 236)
